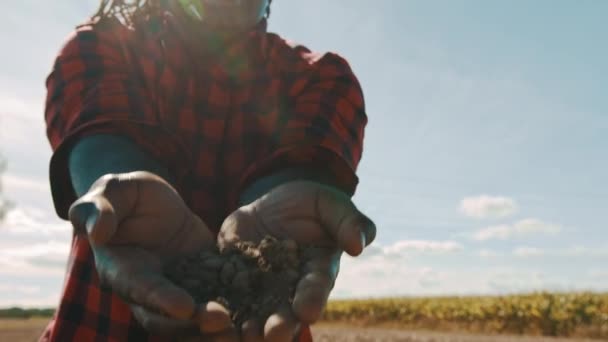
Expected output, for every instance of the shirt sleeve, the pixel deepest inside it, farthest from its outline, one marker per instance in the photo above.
(94, 89)
(323, 125)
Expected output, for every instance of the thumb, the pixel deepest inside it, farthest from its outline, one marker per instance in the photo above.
(350, 228)
(95, 217)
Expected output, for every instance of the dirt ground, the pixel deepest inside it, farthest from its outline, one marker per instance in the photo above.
(18, 330)
(323, 333)
(29, 331)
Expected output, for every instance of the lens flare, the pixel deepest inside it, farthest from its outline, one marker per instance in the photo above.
(194, 8)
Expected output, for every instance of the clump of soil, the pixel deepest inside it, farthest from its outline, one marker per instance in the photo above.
(251, 280)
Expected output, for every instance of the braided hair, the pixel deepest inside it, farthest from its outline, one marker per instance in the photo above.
(126, 10)
(130, 10)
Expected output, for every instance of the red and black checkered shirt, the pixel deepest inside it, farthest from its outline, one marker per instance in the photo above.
(217, 117)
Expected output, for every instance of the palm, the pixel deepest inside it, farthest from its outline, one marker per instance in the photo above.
(246, 224)
(310, 214)
(296, 211)
(137, 223)
(145, 211)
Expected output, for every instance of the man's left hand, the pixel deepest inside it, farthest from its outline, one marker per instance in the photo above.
(309, 213)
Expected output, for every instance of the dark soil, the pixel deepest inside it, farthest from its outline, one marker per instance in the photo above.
(251, 280)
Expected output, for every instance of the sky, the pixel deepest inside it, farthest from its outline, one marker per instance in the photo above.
(485, 157)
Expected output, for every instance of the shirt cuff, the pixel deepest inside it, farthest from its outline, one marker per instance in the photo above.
(144, 135)
(309, 162)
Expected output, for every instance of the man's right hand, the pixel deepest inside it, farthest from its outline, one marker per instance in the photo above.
(136, 223)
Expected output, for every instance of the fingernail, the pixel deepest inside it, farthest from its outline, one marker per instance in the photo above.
(368, 229)
(363, 239)
(84, 215)
(92, 215)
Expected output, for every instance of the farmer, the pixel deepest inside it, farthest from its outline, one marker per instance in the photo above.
(176, 125)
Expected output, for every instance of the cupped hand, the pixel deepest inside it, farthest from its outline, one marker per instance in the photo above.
(311, 214)
(136, 224)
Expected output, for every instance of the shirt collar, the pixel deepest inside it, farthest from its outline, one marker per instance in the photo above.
(238, 59)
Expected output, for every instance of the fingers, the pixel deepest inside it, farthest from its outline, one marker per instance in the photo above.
(160, 324)
(230, 335)
(350, 228)
(281, 326)
(215, 323)
(213, 318)
(212, 321)
(137, 276)
(313, 290)
(232, 230)
(94, 217)
(252, 331)
(99, 211)
(159, 293)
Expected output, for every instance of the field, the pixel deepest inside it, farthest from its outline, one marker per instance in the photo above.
(28, 330)
(348, 333)
(21, 330)
(581, 315)
(525, 318)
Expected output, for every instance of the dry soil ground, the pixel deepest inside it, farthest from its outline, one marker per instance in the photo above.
(17, 330)
(29, 331)
(337, 333)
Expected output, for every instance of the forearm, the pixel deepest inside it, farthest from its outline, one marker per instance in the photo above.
(97, 155)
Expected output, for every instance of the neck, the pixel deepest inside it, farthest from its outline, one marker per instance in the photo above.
(225, 36)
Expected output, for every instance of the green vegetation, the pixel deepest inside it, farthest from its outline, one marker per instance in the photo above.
(25, 313)
(549, 314)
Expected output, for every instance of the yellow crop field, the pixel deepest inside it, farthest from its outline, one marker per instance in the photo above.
(549, 314)
(575, 315)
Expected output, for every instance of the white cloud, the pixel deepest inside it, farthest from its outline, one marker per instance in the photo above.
(576, 251)
(482, 207)
(386, 270)
(390, 277)
(535, 252)
(519, 229)
(534, 226)
(598, 274)
(589, 253)
(36, 259)
(22, 183)
(15, 106)
(486, 253)
(405, 248)
(513, 281)
(25, 290)
(586, 251)
(525, 252)
(33, 243)
(45, 249)
(493, 232)
(382, 270)
(422, 246)
(38, 300)
(33, 221)
(19, 118)
(382, 277)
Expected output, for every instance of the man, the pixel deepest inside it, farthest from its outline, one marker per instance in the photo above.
(176, 125)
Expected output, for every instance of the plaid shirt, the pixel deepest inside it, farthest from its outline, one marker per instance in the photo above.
(217, 117)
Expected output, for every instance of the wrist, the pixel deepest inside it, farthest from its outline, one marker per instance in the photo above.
(261, 186)
(79, 162)
(99, 155)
